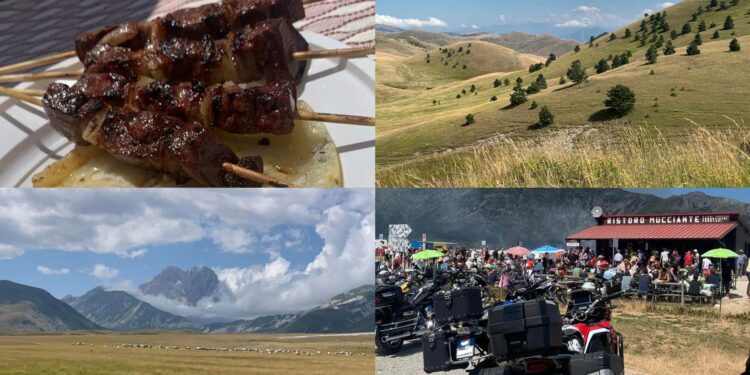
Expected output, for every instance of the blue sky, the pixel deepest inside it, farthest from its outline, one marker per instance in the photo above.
(564, 18)
(292, 249)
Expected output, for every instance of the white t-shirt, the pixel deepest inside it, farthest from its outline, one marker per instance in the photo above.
(618, 257)
(665, 256)
(706, 263)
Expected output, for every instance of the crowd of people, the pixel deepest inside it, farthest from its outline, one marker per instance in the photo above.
(665, 266)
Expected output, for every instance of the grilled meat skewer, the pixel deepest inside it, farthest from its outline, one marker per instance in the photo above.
(182, 149)
(214, 20)
(264, 52)
(262, 109)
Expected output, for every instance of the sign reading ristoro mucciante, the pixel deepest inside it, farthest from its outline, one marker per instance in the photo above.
(668, 219)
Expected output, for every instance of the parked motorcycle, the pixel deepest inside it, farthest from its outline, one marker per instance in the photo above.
(587, 326)
(403, 316)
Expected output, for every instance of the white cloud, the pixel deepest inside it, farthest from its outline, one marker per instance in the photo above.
(571, 23)
(343, 262)
(666, 5)
(502, 18)
(52, 272)
(474, 26)
(136, 253)
(588, 9)
(9, 252)
(101, 271)
(645, 11)
(382, 19)
(233, 240)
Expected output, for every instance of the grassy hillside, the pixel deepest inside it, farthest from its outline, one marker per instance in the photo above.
(456, 62)
(700, 89)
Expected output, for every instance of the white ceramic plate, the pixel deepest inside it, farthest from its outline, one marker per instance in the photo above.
(347, 86)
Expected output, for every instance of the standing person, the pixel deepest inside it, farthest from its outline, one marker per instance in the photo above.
(664, 255)
(706, 263)
(747, 273)
(688, 259)
(741, 262)
(726, 276)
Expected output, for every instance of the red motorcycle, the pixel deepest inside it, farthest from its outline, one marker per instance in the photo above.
(587, 327)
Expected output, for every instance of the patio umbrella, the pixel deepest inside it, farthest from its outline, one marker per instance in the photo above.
(547, 249)
(721, 253)
(518, 251)
(427, 254)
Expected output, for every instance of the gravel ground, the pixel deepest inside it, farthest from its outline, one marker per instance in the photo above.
(409, 361)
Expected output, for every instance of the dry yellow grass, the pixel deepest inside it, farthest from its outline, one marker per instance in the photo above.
(669, 339)
(588, 157)
(56, 354)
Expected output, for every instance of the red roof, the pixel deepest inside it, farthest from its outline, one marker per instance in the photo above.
(655, 231)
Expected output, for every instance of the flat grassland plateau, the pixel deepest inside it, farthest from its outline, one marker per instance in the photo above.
(104, 353)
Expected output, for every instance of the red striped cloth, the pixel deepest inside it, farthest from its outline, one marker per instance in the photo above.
(348, 21)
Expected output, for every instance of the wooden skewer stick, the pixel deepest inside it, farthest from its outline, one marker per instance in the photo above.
(307, 2)
(341, 52)
(20, 95)
(46, 60)
(28, 95)
(335, 118)
(40, 76)
(254, 176)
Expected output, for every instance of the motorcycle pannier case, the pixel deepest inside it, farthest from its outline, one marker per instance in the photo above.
(597, 363)
(458, 305)
(389, 295)
(525, 328)
(436, 352)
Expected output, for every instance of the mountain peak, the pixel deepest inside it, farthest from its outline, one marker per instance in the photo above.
(185, 286)
(24, 307)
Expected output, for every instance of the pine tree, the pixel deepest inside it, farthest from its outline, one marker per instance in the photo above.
(734, 45)
(673, 35)
(616, 61)
(506, 82)
(723, 6)
(591, 42)
(698, 40)
(546, 118)
(612, 37)
(620, 99)
(665, 27)
(716, 35)
(470, 119)
(693, 49)
(576, 73)
(686, 28)
(714, 3)
(652, 54)
(577, 49)
(602, 66)
(534, 105)
(473, 88)
(669, 49)
(497, 83)
(702, 26)
(562, 81)
(728, 23)
(541, 82)
(643, 26)
(532, 89)
(552, 57)
(518, 96)
(660, 42)
(628, 34)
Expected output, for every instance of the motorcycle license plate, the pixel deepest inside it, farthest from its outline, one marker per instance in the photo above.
(465, 348)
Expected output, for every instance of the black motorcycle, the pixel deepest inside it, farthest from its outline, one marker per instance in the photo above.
(400, 317)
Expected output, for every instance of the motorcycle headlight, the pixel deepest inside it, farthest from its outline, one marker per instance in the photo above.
(574, 345)
(430, 324)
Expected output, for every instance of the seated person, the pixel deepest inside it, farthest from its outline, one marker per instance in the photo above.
(644, 283)
(713, 279)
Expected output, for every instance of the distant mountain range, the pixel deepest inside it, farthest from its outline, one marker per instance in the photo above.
(536, 217)
(27, 308)
(541, 44)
